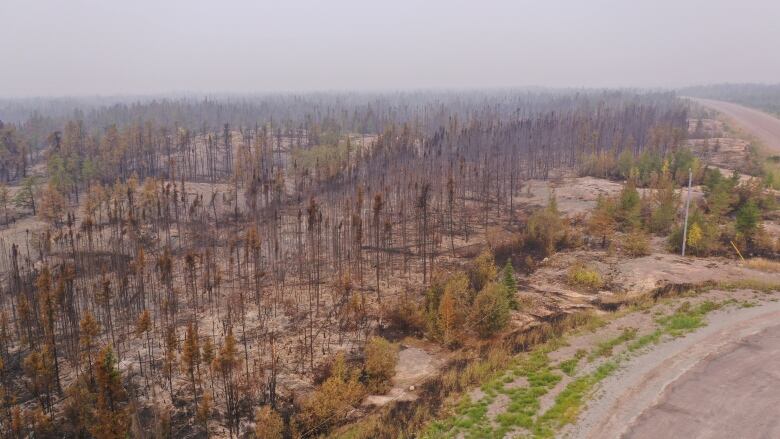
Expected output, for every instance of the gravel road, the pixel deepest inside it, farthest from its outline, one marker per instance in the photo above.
(762, 125)
(721, 381)
(734, 394)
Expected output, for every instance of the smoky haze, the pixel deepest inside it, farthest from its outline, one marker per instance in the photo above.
(80, 47)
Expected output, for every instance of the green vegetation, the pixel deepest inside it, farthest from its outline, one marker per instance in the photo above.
(569, 402)
(583, 277)
(379, 367)
(645, 340)
(568, 367)
(747, 220)
(686, 318)
(510, 284)
(646, 167)
(25, 197)
(476, 301)
(325, 159)
(337, 394)
(470, 419)
(491, 310)
(730, 212)
(634, 215)
(482, 270)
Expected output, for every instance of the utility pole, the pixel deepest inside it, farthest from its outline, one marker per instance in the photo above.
(687, 204)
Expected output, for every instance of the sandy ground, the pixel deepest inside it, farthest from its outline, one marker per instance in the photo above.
(693, 386)
(415, 364)
(764, 126)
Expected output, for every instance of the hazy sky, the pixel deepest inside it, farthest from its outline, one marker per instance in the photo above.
(66, 47)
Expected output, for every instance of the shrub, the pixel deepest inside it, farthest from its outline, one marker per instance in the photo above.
(629, 207)
(636, 243)
(719, 193)
(703, 235)
(598, 164)
(381, 358)
(447, 305)
(664, 204)
(490, 312)
(764, 243)
(502, 243)
(748, 220)
(268, 424)
(601, 223)
(483, 270)
(331, 401)
(580, 276)
(406, 315)
(546, 228)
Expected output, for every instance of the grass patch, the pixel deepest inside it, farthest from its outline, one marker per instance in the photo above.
(762, 264)
(470, 419)
(686, 318)
(568, 367)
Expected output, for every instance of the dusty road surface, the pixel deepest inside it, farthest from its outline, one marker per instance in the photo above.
(735, 394)
(763, 126)
(722, 381)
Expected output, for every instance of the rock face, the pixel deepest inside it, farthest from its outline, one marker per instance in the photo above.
(625, 279)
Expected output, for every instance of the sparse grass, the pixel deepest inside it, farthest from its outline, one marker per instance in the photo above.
(605, 348)
(645, 340)
(749, 284)
(762, 264)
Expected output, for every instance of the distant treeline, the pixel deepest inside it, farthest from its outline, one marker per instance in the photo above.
(36, 118)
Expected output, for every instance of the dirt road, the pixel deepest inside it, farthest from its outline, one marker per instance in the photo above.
(721, 381)
(762, 125)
